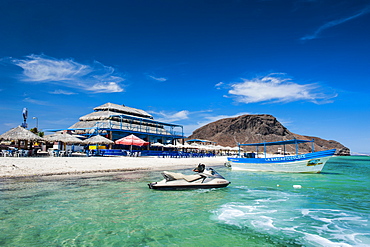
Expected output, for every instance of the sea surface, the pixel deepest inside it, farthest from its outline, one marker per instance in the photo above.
(257, 209)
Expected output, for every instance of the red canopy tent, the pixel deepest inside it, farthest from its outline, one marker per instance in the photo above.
(132, 140)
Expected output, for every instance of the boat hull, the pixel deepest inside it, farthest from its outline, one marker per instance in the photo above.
(159, 186)
(182, 184)
(303, 163)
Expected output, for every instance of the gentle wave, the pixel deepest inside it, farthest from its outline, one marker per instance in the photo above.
(281, 214)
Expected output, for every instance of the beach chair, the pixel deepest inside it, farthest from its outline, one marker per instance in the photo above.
(15, 153)
(5, 153)
(23, 153)
(55, 153)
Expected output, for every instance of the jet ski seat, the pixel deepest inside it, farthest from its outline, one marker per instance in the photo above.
(170, 176)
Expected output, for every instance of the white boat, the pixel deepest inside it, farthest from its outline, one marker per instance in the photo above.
(300, 163)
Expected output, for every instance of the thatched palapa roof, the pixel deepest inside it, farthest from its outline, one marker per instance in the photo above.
(90, 126)
(123, 109)
(98, 139)
(20, 134)
(118, 117)
(65, 138)
(98, 115)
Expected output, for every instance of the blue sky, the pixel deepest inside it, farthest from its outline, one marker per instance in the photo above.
(191, 62)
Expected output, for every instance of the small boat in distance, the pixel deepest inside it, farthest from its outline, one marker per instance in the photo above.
(312, 162)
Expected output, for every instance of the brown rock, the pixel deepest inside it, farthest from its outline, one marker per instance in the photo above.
(259, 128)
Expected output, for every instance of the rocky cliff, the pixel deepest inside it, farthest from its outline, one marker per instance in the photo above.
(260, 128)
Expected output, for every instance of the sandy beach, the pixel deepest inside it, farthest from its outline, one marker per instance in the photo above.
(47, 166)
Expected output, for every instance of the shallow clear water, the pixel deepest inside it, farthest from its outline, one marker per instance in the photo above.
(257, 209)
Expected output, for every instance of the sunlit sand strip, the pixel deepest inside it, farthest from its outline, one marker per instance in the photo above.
(20, 167)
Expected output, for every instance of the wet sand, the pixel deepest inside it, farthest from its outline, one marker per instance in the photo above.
(11, 167)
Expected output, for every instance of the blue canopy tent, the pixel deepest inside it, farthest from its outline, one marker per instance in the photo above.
(265, 144)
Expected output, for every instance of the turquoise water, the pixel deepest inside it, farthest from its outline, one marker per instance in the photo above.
(257, 209)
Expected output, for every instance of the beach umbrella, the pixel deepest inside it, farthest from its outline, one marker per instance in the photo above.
(132, 140)
(210, 147)
(219, 147)
(65, 138)
(157, 144)
(203, 147)
(179, 145)
(187, 145)
(98, 139)
(20, 134)
(195, 145)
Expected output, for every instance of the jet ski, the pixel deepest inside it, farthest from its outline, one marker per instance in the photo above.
(204, 178)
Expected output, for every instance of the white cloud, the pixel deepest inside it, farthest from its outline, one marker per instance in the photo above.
(62, 92)
(210, 119)
(96, 78)
(34, 101)
(161, 79)
(275, 89)
(106, 87)
(333, 23)
(202, 120)
(171, 117)
(218, 85)
(191, 120)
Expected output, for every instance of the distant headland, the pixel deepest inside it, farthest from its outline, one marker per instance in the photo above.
(259, 128)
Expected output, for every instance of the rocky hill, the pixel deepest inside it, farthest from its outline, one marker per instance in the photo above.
(259, 128)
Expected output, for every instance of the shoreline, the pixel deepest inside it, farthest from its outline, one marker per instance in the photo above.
(19, 167)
